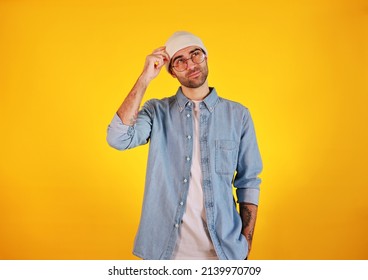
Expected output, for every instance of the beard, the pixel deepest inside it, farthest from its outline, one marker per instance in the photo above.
(194, 82)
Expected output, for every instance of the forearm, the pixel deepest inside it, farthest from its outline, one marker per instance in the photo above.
(248, 214)
(128, 111)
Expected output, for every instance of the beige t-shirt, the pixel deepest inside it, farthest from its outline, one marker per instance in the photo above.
(194, 242)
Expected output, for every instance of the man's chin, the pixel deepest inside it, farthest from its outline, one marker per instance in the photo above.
(194, 83)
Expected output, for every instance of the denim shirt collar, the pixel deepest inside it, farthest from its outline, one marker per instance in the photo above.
(210, 101)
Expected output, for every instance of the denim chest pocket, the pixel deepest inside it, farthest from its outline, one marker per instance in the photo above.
(226, 156)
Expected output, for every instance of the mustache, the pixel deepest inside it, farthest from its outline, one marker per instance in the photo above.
(193, 71)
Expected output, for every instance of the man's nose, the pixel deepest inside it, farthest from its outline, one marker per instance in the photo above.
(190, 64)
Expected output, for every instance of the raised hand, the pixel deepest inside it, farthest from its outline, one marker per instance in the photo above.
(154, 62)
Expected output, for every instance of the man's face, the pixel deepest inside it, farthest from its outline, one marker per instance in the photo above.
(195, 75)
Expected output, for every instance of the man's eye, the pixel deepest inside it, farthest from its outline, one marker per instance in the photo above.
(196, 53)
(179, 61)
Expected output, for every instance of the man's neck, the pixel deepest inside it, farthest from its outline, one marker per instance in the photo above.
(197, 94)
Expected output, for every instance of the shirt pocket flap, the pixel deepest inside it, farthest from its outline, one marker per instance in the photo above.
(226, 156)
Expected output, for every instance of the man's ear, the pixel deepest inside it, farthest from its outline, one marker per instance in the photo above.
(172, 74)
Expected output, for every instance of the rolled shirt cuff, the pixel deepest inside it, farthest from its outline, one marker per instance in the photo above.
(248, 195)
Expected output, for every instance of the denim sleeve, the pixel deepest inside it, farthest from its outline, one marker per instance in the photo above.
(249, 164)
(122, 137)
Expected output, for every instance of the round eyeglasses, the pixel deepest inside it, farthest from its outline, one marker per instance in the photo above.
(180, 64)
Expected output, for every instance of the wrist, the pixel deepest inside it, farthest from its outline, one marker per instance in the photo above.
(144, 79)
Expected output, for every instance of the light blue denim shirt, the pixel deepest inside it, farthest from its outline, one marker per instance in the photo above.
(229, 156)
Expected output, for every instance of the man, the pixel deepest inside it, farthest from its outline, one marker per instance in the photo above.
(200, 144)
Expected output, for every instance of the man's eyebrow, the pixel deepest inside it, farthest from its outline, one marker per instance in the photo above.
(197, 49)
(180, 56)
(192, 51)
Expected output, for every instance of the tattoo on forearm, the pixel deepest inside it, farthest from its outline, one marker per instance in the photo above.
(133, 118)
(250, 235)
(248, 219)
(246, 215)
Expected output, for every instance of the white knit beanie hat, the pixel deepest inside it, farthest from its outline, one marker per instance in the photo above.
(180, 40)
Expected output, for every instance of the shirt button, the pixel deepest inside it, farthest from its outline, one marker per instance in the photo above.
(189, 137)
(185, 180)
(188, 115)
(176, 225)
(181, 203)
(188, 158)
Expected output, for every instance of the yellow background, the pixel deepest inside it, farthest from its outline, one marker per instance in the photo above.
(65, 67)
